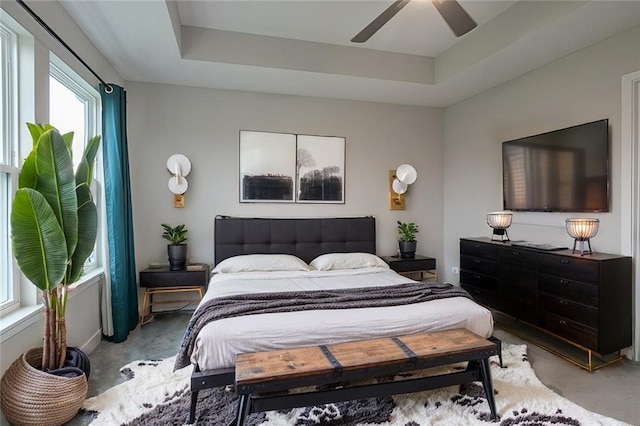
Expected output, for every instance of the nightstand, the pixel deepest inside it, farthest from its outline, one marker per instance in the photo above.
(194, 279)
(420, 268)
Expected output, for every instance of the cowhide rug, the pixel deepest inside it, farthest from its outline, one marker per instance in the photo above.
(155, 395)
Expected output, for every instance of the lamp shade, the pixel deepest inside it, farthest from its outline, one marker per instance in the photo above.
(582, 230)
(499, 220)
(406, 174)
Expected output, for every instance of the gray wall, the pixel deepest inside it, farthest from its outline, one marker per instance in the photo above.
(579, 88)
(204, 125)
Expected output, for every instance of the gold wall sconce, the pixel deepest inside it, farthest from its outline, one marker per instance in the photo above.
(179, 166)
(399, 181)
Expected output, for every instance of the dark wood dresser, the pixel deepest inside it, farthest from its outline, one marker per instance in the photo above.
(585, 300)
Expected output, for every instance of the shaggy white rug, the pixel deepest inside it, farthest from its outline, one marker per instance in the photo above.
(157, 395)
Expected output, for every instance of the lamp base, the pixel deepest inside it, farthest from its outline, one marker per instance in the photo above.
(500, 234)
(584, 246)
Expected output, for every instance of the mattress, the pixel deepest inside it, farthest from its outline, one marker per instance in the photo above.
(220, 341)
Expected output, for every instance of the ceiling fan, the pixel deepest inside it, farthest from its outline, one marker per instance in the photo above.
(453, 14)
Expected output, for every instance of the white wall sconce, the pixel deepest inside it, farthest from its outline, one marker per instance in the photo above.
(582, 230)
(179, 166)
(499, 221)
(399, 181)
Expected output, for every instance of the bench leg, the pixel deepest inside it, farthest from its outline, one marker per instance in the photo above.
(244, 404)
(194, 402)
(488, 387)
(498, 344)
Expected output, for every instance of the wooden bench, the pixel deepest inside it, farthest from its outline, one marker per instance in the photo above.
(259, 374)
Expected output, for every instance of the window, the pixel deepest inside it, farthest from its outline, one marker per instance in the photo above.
(9, 277)
(73, 107)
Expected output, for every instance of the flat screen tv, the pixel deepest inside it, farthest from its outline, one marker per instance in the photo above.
(564, 170)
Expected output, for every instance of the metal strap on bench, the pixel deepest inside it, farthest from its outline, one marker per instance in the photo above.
(337, 367)
(410, 355)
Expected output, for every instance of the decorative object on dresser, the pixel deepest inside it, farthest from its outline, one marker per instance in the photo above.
(53, 231)
(176, 251)
(163, 280)
(407, 243)
(582, 230)
(419, 267)
(583, 301)
(499, 221)
(399, 181)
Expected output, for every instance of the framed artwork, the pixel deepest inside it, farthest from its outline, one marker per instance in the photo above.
(267, 167)
(287, 168)
(320, 169)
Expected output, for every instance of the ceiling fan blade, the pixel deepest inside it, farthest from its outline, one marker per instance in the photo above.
(377, 23)
(455, 16)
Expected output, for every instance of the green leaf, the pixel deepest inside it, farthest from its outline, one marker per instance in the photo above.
(38, 241)
(84, 173)
(68, 140)
(87, 228)
(28, 177)
(56, 182)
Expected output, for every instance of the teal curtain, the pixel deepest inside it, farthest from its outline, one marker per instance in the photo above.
(122, 267)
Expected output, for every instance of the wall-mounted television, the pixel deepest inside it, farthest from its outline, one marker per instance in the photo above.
(565, 170)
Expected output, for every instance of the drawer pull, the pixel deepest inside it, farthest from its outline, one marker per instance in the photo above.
(564, 302)
(476, 245)
(565, 261)
(476, 261)
(562, 322)
(515, 253)
(564, 282)
(477, 277)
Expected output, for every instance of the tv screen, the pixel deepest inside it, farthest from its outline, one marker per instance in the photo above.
(564, 170)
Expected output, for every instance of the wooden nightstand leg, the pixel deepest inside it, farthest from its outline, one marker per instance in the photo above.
(145, 307)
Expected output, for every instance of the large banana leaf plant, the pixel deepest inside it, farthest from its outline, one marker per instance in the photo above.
(53, 227)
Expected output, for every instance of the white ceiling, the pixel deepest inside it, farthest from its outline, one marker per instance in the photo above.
(302, 47)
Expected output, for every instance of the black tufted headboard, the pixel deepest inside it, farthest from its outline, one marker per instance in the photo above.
(306, 238)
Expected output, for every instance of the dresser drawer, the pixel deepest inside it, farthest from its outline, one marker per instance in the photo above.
(482, 250)
(518, 257)
(570, 267)
(521, 306)
(513, 276)
(481, 266)
(587, 315)
(569, 289)
(481, 295)
(478, 280)
(573, 331)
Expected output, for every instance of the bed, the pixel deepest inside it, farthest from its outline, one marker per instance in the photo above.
(287, 263)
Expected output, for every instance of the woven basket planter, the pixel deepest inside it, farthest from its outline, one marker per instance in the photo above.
(32, 397)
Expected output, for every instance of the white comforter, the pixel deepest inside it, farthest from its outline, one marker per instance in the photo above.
(219, 341)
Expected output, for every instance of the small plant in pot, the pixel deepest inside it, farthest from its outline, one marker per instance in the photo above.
(177, 250)
(407, 243)
(53, 231)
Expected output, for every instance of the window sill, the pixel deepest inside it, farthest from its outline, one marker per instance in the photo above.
(16, 321)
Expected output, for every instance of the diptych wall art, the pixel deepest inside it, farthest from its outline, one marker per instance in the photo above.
(285, 167)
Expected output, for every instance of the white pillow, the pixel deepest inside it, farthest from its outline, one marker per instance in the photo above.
(332, 261)
(261, 262)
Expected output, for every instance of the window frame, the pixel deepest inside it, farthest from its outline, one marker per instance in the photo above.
(9, 160)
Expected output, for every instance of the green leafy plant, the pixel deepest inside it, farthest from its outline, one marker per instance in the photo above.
(175, 235)
(53, 226)
(407, 231)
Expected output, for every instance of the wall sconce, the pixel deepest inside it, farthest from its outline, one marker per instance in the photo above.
(399, 181)
(499, 221)
(179, 166)
(582, 230)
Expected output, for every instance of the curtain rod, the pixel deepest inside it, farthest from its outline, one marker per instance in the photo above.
(107, 87)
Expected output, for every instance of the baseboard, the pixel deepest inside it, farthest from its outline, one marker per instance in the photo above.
(92, 343)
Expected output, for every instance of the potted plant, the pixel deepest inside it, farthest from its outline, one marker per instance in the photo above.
(177, 251)
(53, 231)
(407, 243)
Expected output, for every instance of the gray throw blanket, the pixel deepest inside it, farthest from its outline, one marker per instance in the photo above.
(350, 298)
